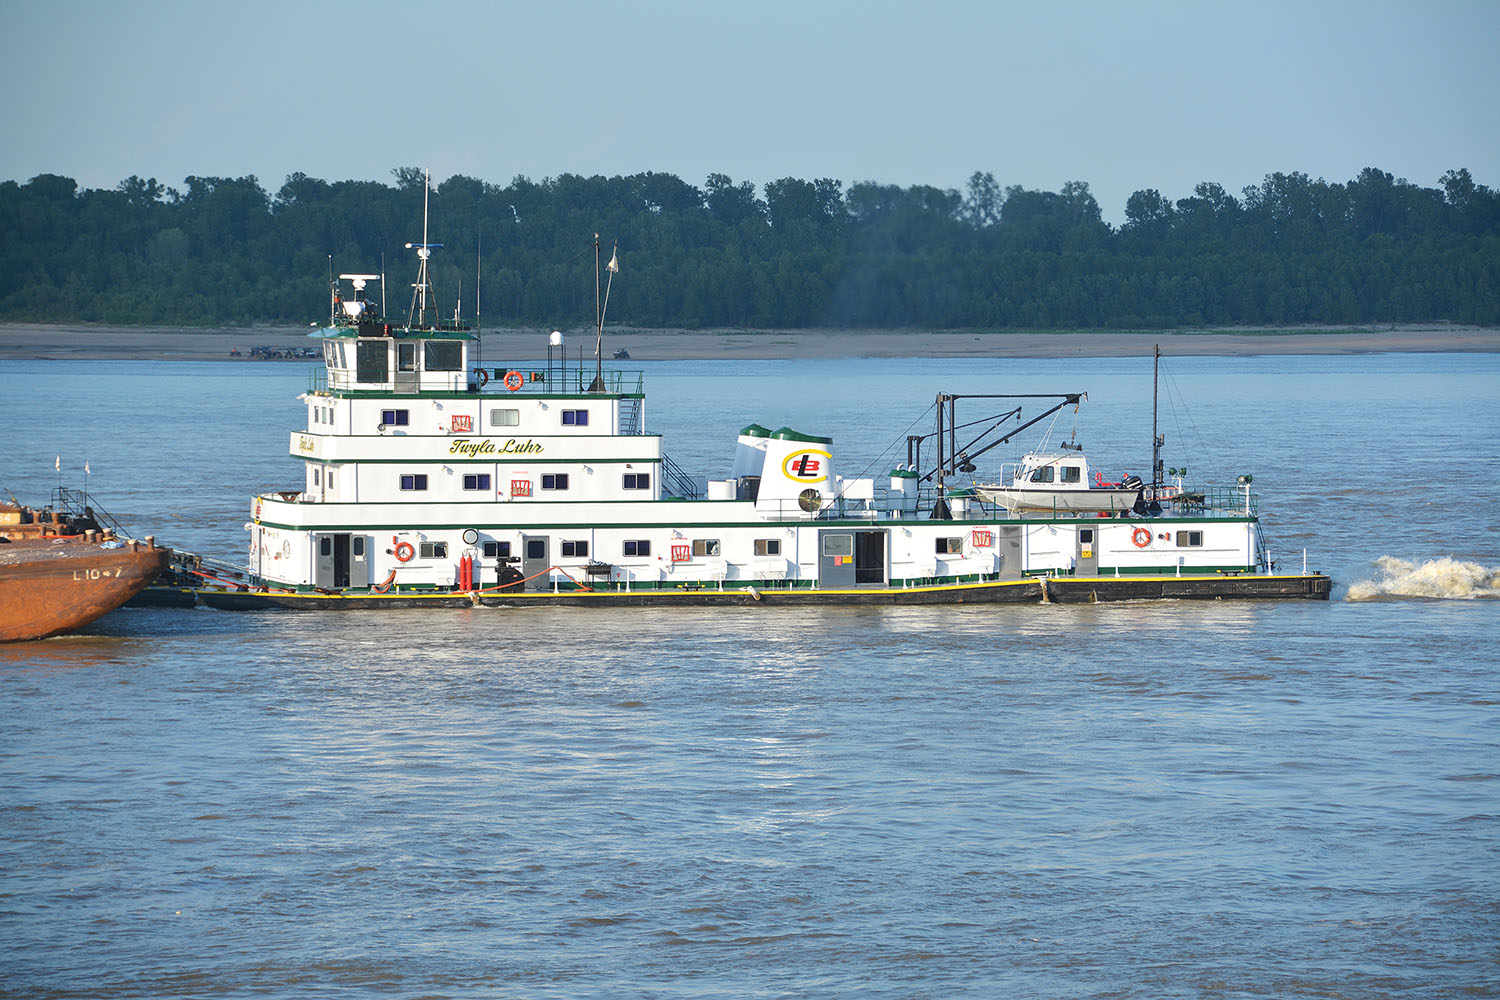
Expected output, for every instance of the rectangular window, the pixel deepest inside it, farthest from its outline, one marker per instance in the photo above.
(638, 548)
(575, 550)
(1072, 474)
(1086, 536)
(372, 361)
(505, 418)
(838, 545)
(317, 476)
(477, 481)
(554, 481)
(358, 544)
(414, 482)
(406, 357)
(1188, 539)
(394, 418)
(497, 550)
(536, 548)
(443, 355)
(768, 546)
(575, 418)
(434, 550)
(325, 546)
(637, 480)
(951, 546)
(1043, 475)
(705, 547)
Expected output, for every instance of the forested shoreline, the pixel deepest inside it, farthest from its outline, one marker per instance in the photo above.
(794, 254)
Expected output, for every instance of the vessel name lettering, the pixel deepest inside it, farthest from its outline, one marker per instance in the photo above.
(487, 446)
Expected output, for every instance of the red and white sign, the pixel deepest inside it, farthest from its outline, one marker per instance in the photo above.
(520, 487)
(982, 538)
(462, 423)
(681, 553)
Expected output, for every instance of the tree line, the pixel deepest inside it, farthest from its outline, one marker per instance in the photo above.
(793, 253)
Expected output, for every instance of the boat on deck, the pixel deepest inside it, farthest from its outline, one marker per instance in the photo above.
(60, 569)
(433, 476)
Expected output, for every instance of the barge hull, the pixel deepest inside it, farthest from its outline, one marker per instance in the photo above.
(1093, 590)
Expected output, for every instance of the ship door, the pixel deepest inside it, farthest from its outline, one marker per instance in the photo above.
(359, 561)
(851, 558)
(535, 561)
(1008, 552)
(1087, 563)
(869, 557)
(331, 565)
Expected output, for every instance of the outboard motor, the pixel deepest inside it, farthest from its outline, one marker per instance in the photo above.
(1131, 483)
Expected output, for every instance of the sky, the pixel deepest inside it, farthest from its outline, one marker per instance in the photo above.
(1124, 96)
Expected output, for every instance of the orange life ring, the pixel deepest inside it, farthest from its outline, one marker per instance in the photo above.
(513, 380)
(1140, 537)
(404, 551)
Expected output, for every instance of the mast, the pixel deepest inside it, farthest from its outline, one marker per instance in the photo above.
(424, 252)
(1156, 440)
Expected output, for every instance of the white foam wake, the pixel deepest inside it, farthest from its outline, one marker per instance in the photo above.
(1438, 579)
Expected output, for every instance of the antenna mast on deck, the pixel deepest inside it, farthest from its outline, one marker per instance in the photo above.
(418, 311)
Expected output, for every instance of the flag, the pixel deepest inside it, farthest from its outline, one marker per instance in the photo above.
(86, 467)
(58, 464)
(614, 262)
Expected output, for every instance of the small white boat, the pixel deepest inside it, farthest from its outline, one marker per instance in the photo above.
(1060, 482)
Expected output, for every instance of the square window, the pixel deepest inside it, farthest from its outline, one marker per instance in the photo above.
(575, 418)
(414, 482)
(394, 418)
(575, 550)
(497, 550)
(838, 545)
(1086, 536)
(952, 546)
(554, 481)
(1190, 539)
(536, 548)
(434, 550)
(641, 547)
(477, 481)
(442, 355)
(637, 480)
(705, 547)
(768, 546)
(505, 418)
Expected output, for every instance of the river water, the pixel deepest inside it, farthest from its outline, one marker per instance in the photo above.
(1135, 800)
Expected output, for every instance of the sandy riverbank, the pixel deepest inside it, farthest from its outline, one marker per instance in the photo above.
(48, 342)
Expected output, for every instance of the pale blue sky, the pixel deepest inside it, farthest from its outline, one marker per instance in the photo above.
(1121, 95)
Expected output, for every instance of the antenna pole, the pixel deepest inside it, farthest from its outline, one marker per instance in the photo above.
(1155, 438)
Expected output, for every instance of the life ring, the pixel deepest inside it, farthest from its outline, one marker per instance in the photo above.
(483, 376)
(404, 551)
(513, 380)
(1141, 537)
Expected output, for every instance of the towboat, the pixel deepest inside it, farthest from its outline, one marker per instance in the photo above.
(431, 477)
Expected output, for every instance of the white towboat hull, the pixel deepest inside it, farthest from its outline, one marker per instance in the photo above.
(1073, 501)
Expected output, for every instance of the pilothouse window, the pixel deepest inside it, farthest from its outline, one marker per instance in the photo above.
(1042, 475)
(1072, 474)
(443, 355)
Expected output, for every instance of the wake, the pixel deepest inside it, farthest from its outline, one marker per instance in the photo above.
(1444, 579)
